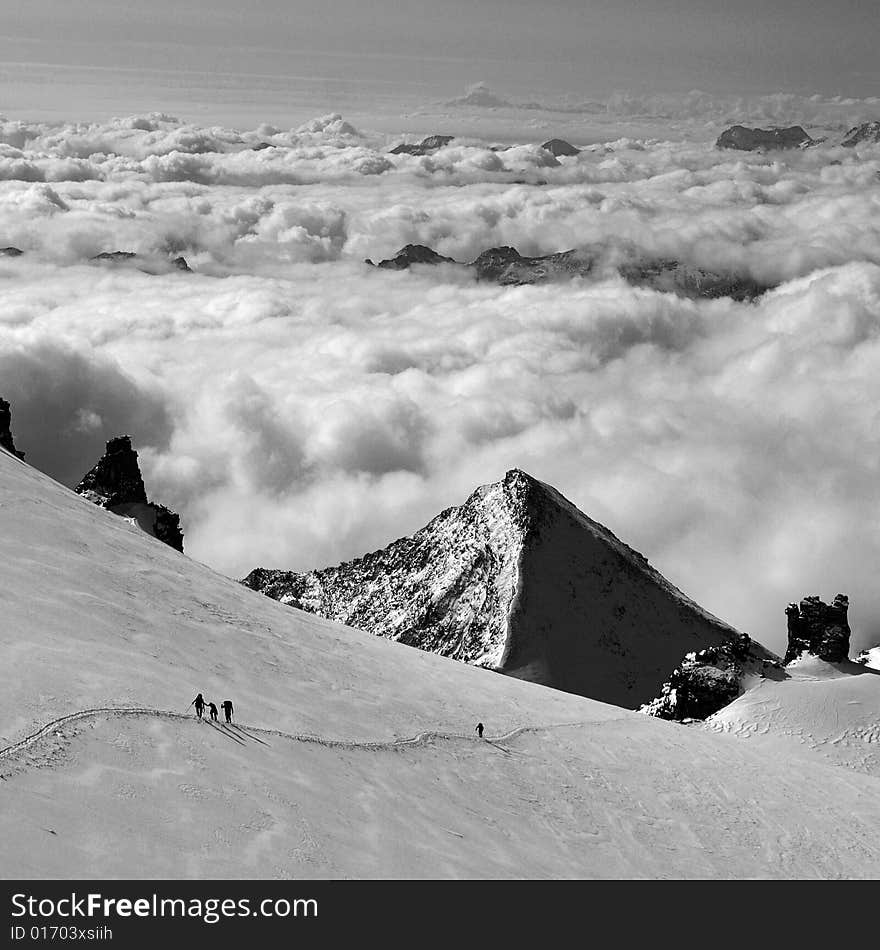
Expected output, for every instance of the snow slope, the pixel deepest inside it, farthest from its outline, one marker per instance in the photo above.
(98, 614)
(357, 758)
(827, 710)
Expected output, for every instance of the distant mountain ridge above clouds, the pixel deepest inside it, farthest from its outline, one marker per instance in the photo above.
(867, 132)
(518, 580)
(506, 266)
(748, 140)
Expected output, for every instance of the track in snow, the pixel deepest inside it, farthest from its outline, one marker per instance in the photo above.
(420, 738)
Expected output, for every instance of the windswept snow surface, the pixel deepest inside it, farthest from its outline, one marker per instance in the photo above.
(356, 757)
(826, 710)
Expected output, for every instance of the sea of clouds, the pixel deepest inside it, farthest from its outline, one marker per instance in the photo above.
(298, 406)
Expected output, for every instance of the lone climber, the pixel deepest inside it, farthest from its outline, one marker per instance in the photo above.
(213, 710)
(199, 703)
(479, 730)
(226, 706)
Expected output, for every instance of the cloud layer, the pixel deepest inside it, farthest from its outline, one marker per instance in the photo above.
(297, 406)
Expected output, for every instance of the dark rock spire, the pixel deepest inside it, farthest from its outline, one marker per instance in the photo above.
(6, 429)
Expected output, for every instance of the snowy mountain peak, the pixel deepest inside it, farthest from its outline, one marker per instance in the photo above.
(116, 484)
(519, 580)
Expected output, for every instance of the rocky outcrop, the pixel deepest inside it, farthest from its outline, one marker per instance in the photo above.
(413, 254)
(114, 257)
(558, 147)
(145, 263)
(867, 132)
(116, 484)
(517, 580)
(749, 140)
(11, 251)
(425, 147)
(6, 440)
(667, 274)
(818, 628)
(166, 527)
(505, 265)
(710, 679)
(116, 479)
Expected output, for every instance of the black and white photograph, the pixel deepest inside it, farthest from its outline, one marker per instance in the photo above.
(439, 441)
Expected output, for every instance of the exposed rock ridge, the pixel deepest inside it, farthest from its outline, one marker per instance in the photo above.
(116, 484)
(749, 140)
(506, 266)
(557, 147)
(818, 628)
(413, 254)
(866, 132)
(425, 147)
(145, 263)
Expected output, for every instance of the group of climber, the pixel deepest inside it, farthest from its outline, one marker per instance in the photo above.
(200, 704)
(226, 706)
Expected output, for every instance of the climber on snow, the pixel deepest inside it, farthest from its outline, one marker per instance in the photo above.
(226, 706)
(199, 703)
(213, 710)
(479, 730)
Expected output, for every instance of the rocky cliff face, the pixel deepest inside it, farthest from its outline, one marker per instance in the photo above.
(517, 580)
(6, 440)
(868, 132)
(818, 628)
(505, 265)
(116, 484)
(709, 679)
(749, 140)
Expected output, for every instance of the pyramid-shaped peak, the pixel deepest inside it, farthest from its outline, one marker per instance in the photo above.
(517, 579)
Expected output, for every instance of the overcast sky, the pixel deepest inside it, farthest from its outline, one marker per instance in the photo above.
(433, 47)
